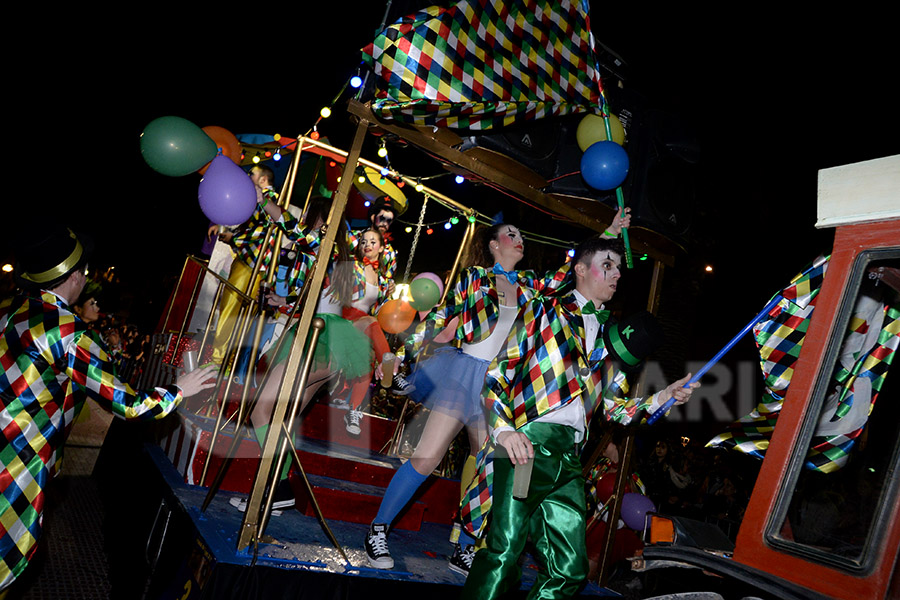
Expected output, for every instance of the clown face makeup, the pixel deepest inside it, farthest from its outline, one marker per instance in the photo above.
(509, 247)
(598, 280)
(383, 220)
(371, 244)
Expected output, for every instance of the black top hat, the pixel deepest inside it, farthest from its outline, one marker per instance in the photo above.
(386, 202)
(45, 258)
(633, 339)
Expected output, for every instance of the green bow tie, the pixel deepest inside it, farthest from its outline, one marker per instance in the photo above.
(590, 309)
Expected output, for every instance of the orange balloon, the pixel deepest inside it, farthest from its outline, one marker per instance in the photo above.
(396, 315)
(227, 144)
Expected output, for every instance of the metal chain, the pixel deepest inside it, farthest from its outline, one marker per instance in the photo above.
(412, 250)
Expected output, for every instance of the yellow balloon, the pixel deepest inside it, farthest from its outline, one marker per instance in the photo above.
(592, 129)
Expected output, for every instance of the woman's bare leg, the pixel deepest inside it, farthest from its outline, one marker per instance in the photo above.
(440, 431)
(262, 412)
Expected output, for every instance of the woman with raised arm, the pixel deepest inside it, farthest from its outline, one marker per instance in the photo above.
(486, 299)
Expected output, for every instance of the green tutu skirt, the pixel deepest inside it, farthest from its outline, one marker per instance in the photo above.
(341, 347)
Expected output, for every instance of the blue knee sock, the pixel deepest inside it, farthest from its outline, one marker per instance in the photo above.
(399, 492)
(465, 540)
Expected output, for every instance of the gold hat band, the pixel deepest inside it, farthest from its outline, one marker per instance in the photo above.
(60, 269)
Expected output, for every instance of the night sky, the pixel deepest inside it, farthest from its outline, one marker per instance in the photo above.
(772, 97)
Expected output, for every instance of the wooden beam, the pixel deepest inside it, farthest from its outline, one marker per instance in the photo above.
(480, 168)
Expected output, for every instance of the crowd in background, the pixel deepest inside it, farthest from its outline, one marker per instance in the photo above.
(126, 345)
(684, 478)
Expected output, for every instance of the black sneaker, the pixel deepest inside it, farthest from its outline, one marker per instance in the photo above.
(284, 498)
(377, 548)
(401, 386)
(461, 561)
(352, 421)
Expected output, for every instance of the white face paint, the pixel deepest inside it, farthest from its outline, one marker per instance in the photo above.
(598, 280)
(370, 244)
(509, 245)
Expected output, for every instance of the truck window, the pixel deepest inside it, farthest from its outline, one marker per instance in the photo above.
(843, 485)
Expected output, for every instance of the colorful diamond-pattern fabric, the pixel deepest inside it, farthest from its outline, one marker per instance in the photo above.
(486, 63)
(868, 348)
(475, 302)
(543, 368)
(779, 338)
(865, 359)
(247, 244)
(49, 363)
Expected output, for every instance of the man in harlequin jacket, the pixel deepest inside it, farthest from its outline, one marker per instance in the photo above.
(248, 248)
(49, 363)
(540, 392)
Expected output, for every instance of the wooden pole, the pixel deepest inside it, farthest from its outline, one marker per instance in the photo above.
(250, 526)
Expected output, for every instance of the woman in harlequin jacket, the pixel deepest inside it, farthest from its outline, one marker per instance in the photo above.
(486, 302)
(371, 290)
(351, 341)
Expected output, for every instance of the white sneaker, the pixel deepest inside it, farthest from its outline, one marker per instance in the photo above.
(352, 420)
(284, 498)
(240, 503)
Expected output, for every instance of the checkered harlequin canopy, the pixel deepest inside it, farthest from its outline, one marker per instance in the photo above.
(481, 64)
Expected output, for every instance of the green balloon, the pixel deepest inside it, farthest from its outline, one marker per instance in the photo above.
(174, 146)
(425, 294)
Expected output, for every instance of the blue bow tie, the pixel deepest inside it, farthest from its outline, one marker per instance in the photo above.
(511, 276)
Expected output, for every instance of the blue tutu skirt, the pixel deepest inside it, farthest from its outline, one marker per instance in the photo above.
(450, 382)
(341, 346)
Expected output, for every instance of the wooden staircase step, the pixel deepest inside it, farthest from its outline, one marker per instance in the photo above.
(342, 500)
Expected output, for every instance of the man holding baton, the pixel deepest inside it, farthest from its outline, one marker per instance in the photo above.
(541, 392)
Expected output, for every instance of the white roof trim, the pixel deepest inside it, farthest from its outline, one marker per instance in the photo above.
(860, 192)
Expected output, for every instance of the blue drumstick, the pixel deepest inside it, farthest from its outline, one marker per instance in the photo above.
(665, 407)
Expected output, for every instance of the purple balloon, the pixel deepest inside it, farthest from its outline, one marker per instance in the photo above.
(227, 195)
(635, 508)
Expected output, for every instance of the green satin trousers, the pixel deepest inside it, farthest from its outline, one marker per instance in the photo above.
(552, 517)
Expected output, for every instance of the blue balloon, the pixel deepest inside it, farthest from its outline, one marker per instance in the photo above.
(636, 506)
(604, 165)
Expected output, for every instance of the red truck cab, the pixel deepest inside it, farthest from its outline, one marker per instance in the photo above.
(807, 534)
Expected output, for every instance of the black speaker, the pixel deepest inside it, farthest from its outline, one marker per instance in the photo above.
(663, 179)
(535, 144)
(661, 186)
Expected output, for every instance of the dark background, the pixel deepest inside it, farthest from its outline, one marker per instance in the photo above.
(771, 94)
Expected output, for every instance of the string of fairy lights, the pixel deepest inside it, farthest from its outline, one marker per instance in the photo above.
(387, 173)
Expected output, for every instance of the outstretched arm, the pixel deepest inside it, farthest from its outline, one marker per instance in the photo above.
(91, 368)
(620, 221)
